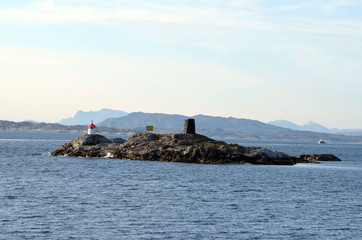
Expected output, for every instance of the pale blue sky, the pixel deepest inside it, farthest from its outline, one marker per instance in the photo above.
(263, 60)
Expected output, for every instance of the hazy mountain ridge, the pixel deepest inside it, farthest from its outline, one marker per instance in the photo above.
(315, 127)
(140, 120)
(175, 121)
(220, 127)
(215, 127)
(310, 126)
(55, 127)
(82, 118)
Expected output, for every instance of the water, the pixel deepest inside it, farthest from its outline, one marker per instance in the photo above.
(44, 197)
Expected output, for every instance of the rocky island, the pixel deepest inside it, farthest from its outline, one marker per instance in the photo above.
(191, 148)
(183, 147)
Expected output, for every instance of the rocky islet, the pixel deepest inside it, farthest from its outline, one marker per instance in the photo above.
(184, 147)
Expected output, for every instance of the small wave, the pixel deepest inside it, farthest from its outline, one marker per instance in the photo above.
(30, 140)
(50, 171)
(41, 154)
(30, 217)
(247, 190)
(308, 165)
(36, 154)
(109, 155)
(10, 197)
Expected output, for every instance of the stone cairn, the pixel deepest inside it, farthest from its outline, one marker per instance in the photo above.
(189, 126)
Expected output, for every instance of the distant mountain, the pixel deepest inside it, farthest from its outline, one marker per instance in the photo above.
(311, 126)
(348, 132)
(55, 127)
(214, 127)
(82, 118)
(315, 127)
(140, 120)
(286, 124)
(240, 125)
(32, 121)
(220, 127)
(175, 122)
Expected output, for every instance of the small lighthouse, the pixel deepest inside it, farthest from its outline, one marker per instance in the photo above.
(91, 129)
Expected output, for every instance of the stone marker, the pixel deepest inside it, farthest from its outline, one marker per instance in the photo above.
(189, 126)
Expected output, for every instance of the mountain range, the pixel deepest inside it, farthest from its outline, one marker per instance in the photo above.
(82, 118)
(315, 127)
(220, 127)
(137, 120)
(175, 122)
(215, 127)
(310, 126)
(55, 127)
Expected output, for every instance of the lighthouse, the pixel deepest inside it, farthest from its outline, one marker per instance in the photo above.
(91, 129)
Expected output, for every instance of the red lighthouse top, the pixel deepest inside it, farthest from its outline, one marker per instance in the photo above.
(92, 125)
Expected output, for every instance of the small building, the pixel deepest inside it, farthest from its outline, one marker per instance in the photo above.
(91, 129)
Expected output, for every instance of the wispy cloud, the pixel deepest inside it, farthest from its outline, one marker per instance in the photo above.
(332, 6)
(222, 27)
(158, 46)
(239, 14)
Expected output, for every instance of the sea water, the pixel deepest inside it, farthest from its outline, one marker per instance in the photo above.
(45, 197)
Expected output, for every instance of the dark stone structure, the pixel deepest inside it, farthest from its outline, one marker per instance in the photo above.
(189, 126)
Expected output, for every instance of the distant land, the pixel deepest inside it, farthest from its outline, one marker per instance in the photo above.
(213, 127)
(315, 127)
(82, 118)
(221, 127)
(56, 127)
(32, 121)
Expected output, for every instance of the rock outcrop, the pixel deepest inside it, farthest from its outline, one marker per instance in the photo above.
(195, 148)
(89, 146)
(314, 158)
(192, 148)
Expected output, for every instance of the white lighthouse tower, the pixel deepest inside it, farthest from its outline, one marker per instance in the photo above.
(91, 129)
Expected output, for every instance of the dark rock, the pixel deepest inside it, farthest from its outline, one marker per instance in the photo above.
(192, 148)
(117, 140)
(94, 145)
(87, 139)
(189, 126)
(314, 158)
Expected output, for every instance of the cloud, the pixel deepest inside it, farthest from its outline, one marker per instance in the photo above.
(52, 12)
(220, 47)
(251, 4)
(332, 6)
(55, 12)
(238, 14)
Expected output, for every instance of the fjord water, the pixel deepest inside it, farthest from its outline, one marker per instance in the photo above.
(45, 197)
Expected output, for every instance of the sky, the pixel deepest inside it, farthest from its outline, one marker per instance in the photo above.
(297, 60)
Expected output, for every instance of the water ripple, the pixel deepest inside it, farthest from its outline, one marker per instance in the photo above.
(44, 197)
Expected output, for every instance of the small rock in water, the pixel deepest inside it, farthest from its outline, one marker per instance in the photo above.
(314, 158)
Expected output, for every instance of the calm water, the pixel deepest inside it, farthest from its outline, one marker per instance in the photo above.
(44, 197)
